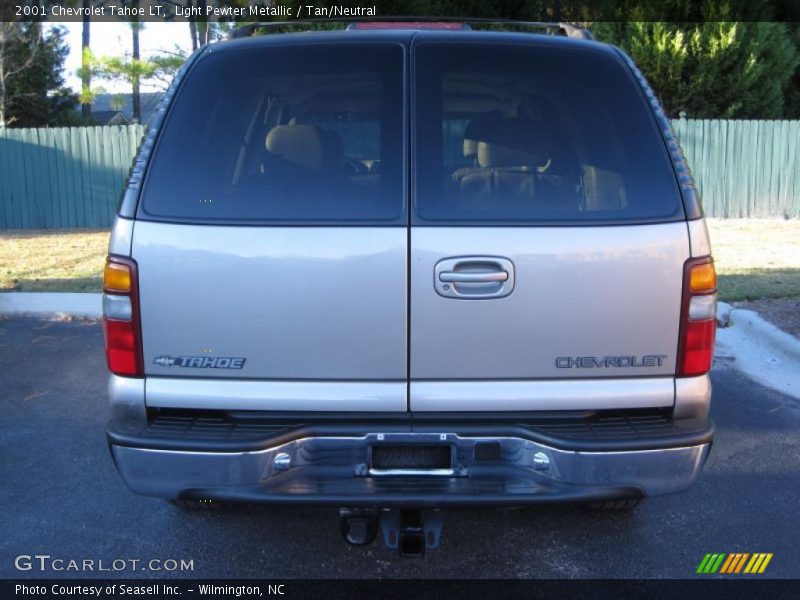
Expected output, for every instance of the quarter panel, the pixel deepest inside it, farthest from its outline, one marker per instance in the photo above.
(126, 398)
(692, 397)
(121, 238)
(699, 238)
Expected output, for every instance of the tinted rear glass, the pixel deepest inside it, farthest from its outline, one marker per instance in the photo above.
(521, 133)
(284, 133)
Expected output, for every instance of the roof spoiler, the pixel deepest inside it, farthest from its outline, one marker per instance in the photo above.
(565, 29)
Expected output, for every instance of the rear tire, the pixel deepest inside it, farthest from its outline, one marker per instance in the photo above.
(626, 504)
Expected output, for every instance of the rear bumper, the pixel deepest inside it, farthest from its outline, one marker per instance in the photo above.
(491, 465)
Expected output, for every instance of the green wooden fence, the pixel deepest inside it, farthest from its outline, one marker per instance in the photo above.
(63, 177)
(72, 177)
(744, 168)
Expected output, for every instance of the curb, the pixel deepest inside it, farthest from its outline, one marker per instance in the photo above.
(759, 329)
(724, 314)
(759, 349)
(45, 304)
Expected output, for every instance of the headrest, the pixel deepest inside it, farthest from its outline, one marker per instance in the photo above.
(516, 142)
(473, 134)
(305, 145)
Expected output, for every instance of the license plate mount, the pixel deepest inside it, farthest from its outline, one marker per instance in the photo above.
(411, 459)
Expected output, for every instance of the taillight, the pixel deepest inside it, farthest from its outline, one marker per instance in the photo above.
(698, 317)
(121, 317)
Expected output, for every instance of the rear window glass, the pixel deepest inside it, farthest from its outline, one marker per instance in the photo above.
(510, 133)
(286, 134)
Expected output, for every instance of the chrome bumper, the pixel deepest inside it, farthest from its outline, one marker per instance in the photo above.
(336, 471)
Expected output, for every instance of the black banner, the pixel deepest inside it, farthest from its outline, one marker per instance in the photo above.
(184, 11)
(387, 589)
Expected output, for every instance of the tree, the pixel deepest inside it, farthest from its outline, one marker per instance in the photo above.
(201, 30)
(135, 78)
(132, 69)
(12, 36)
(157, 71)
(165, 67)
(32, 90)
(712, 69)
(193, 33)
(793, 94)
(86, 73)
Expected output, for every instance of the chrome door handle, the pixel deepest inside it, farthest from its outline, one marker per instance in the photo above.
(474, 277)
(456, 277)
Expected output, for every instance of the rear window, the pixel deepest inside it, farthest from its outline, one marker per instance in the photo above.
(286, 134)
(522, 133)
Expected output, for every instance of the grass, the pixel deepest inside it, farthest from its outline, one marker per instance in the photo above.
(52, 260)
(755, 258)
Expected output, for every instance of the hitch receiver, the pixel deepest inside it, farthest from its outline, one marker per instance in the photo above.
(411, 531)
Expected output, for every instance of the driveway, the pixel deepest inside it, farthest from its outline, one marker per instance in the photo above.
(62, 496)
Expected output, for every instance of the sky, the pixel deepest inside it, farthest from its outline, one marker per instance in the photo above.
(114, 39)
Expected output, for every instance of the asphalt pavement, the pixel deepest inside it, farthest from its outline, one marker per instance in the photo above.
(62, 496)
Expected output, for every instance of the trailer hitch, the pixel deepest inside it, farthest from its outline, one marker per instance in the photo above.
(411, 531)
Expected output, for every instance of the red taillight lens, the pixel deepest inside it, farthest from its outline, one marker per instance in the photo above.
(121, 347)
(698, 318)
(121, 317)
(698, 347)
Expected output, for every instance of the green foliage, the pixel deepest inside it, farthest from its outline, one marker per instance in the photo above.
(694, 53)
(712, 69)
(165, 67)
(156, 70)
(35, 94)
(793, 95)
(87, 72)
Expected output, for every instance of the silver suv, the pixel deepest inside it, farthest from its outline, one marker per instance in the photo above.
(409, 267)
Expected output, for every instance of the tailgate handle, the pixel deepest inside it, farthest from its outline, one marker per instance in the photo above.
(456, 277)
(474, 277)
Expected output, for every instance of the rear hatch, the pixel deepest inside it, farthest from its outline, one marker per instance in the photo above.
(548, 237)
(535, 263)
